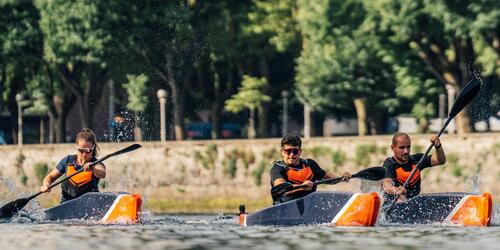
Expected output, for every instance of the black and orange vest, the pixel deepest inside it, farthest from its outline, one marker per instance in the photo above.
(402, 175)
(79, 184)
(298, 176)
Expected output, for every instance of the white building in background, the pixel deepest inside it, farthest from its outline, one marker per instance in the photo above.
(347, 126)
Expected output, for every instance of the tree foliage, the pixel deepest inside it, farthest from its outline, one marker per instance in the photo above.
(137, 92)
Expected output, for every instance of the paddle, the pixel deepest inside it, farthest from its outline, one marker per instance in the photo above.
(11, 208)
(372, 174)
(468, 93)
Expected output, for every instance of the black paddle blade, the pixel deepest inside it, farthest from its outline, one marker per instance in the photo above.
(126, 150)
(468, 93)
(11, 208)
(372, 174)
(119, 152)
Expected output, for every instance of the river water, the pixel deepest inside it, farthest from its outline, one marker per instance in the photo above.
(221, 232)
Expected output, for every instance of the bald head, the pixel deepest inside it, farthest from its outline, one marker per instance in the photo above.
(401, 145)
(398, 136)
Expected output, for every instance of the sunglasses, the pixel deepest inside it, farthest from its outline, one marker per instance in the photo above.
(289, 151)
(85, 150)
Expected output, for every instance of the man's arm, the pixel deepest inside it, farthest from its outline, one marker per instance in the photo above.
(389, 188)
(439, 157)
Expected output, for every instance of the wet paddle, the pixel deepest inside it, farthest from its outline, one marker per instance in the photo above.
(372, 174)
(468, 93)
(11, 208)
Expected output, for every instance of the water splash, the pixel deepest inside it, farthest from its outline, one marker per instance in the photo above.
(472, 184)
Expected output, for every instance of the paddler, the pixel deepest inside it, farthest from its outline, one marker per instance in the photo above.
(399, 166)
(84, 182)
(292, 171)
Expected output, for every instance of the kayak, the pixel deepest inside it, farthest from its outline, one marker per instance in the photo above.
(462, 209)
(105, 207)
(335, 208)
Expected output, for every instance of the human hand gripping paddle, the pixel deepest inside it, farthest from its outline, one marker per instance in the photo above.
(372, 174)
(11, 208)
(468, 93)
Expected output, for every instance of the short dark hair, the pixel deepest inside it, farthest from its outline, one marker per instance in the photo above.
(293, 140)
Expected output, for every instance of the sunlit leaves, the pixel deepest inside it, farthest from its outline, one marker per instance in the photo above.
(137, 92)
(250, 95)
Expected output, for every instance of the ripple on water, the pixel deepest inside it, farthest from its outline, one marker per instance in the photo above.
(209, 232)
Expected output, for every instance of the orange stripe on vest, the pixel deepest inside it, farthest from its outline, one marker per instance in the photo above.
(79, 179)
(298, 176)
(402, 175)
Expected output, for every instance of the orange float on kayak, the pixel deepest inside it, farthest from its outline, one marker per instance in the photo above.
(360, 210)
(472, 210)
(106, 207)
(336, 208)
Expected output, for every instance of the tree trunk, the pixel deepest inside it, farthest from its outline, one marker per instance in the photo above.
(360, 106)
(217, 104)
(137, 128)
(177, 99)
(12, 107)
(262, 126)
(251, 124)
(307, 121)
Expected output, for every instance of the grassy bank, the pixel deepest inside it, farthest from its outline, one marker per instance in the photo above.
(203, 206)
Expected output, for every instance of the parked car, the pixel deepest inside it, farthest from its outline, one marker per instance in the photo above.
(199, 130)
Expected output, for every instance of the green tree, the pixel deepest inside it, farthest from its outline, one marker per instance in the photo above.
(229, 48)
(78, 45)
(250, 96)
(441, 34)
(21, 47)
(339, 66)
(163, 41)
(137, 99)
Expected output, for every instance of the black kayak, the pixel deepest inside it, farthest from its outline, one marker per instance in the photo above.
(335, 208)
(464, 209)
(105, 207)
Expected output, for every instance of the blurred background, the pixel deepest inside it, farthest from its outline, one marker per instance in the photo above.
(243, 69)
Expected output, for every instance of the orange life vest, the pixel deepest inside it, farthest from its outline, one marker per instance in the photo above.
(79, 184)
(298, 176)
(402, 175)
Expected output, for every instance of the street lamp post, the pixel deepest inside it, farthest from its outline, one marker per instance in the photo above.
(19, 98)
(162, 97)
(284, 95)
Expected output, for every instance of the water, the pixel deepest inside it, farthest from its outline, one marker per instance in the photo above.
(212, 232)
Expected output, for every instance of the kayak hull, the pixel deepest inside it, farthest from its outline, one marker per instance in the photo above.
(106, 207)
(336, 208)
(461, 209)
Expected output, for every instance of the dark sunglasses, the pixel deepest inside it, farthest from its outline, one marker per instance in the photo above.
(288, 151)
(85, 150)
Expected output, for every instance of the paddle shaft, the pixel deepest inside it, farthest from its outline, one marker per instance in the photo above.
(361, 174)
(330, 181)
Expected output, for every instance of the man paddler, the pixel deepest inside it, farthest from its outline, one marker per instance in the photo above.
(292, 171)
(400, 165)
